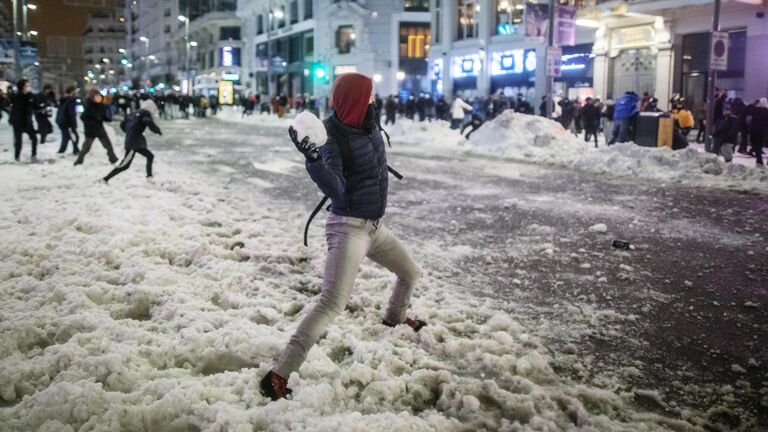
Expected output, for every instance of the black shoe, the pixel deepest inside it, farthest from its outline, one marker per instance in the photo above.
(417, 324)
(274, 386)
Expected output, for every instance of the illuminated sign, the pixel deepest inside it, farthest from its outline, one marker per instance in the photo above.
(230, 76)
(513, 62)
(530, 60)
(226, 92)
(230, 56)
(576, 62)
(464, 66)
(342, 69)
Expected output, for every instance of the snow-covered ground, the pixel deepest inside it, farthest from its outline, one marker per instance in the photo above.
(151, 307)
(523, 137)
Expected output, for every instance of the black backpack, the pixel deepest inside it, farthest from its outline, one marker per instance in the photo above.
(332, 128)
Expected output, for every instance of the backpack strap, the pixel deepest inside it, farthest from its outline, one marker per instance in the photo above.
(312, 216)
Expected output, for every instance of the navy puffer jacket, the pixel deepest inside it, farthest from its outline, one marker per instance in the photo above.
(361, 191)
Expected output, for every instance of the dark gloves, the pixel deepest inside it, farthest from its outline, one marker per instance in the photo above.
(308, 149)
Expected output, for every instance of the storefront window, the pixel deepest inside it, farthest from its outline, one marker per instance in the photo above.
(509, 16)
(414, 40)
(416, 5)
(294, 11)
(345, 38)
(260, 24)
(307, 9)
(468, 12)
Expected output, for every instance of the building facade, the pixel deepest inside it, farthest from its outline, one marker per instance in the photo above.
(657, 46)
(480, 47)
(103, 39)
(662, 47)
(215, 48)
(149, 42)
(302, 45)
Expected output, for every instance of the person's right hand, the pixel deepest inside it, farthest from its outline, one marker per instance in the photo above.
(308, 149)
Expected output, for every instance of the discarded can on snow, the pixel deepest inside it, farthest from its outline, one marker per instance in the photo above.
(622, 244)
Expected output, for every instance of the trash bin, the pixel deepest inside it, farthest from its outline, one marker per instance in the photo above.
(654, 129)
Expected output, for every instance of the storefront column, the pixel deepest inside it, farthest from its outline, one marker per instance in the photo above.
(484, 77)
(664, 63)
(541, 75)
(600, 64)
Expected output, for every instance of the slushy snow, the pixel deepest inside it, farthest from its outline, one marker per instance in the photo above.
(159, 307)
(536, 139)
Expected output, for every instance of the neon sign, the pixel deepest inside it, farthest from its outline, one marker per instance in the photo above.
(464, 66)
(513, 62)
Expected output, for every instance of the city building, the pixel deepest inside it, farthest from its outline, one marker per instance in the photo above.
(303, 45)
(208, 45)
(481, 47)
(149, 41)
(6, 21)
(103, 48)
(662, 47)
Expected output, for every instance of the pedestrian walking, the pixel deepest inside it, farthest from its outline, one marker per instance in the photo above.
(357, 185)
(590, 120)
(134, 126)
(606, 119)
(390, 108)
(43, 112)
(66, 120)
(22, 110)
(758, 133)
(93, 118)
(458, 112)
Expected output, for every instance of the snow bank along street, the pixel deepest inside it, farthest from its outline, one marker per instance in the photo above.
(149, 307)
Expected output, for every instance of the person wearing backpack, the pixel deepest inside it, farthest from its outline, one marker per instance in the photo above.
(93, 117)
(726, 132)
(134, 126)
(66, 120)
(350, 168)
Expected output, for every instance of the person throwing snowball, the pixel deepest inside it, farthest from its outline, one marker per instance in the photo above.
(351, 169)
(134, 126)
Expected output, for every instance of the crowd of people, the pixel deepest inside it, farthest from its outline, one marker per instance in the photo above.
(738, 126)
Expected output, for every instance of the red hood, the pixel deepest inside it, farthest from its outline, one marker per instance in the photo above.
(350, 95)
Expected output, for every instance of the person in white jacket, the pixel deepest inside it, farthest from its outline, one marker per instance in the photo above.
(458, 108)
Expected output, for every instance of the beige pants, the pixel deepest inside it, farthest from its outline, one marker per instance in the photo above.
(349, 241)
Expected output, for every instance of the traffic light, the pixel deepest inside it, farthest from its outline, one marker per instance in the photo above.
(318, 71)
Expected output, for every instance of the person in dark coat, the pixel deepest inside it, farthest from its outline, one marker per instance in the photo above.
(134, 126)
(22, 110)
(354, 229)
(43, 105)
(390, 108)
(758, 128)
(474, 124)
(66, 120)
(93, 121)
(442, 108)
(590, 120)
(726, 132)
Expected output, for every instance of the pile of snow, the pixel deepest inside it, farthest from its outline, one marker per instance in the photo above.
(536, 139)
(159, 307)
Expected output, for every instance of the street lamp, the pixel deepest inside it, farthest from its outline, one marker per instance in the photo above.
(278, 13)
(187, 44)
(146, 52)
(24, 8)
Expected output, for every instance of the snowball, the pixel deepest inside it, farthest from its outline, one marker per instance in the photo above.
(599, 228)
(308, 125)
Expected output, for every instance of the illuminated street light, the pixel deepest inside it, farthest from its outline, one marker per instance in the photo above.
(182, 18)
(143, 39)
(400, 75)
(32, 7)
(193, 43)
